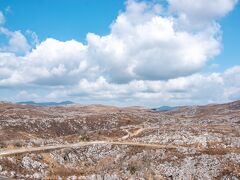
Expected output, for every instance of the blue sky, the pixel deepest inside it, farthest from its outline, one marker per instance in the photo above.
(131, 52)
(231, 40)
(62, 19)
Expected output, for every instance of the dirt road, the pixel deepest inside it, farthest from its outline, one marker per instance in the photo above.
(8, 152)
(4, 178)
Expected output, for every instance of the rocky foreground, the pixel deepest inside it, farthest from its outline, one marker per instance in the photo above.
(102, 142)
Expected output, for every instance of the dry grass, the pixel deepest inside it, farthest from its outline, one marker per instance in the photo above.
(198, 132)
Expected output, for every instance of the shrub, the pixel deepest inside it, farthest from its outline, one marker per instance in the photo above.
(132, 169)
(84, 138)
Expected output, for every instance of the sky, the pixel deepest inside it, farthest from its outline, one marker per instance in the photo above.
(124, 52)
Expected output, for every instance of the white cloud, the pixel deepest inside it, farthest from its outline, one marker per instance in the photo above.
(194, 89)
(201, 14)
(142, 45)
(25, 96)
(17, 42)
(202, 10)
(34, 38)
(145, 45)
(232, 76)
(232, 81)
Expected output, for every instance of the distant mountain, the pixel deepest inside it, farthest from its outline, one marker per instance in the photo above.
(164, 108)
(46, 103)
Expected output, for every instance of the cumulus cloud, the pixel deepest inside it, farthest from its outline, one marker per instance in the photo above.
(194, 89)
(152, 52)
(145, 45)
(17, 42)
(202, 9)
(232, 80)
(201, 14)
(142, 44)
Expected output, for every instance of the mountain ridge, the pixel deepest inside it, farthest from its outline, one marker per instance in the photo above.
(33, 103)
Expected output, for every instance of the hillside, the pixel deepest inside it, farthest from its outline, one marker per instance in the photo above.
(105, 142)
